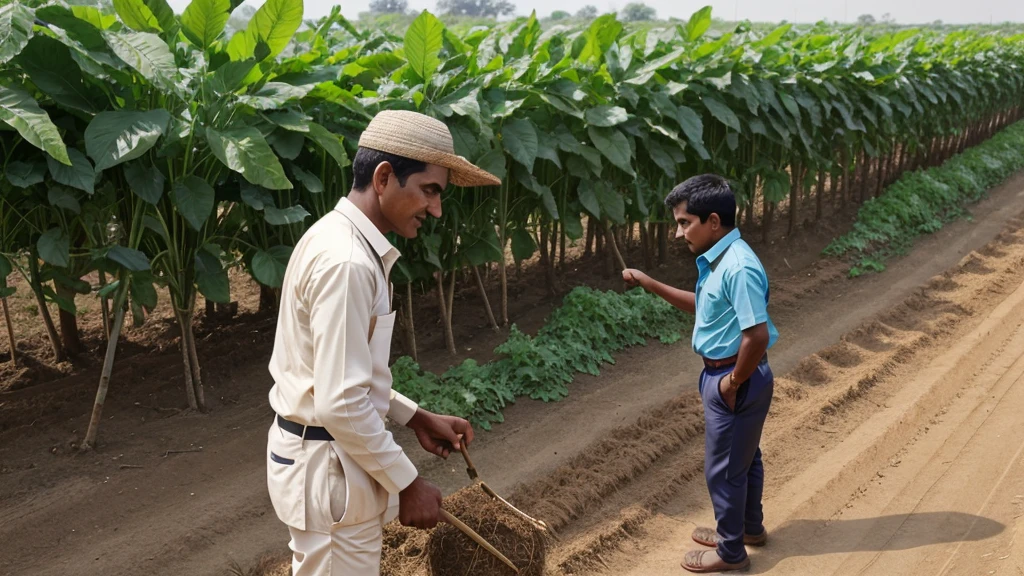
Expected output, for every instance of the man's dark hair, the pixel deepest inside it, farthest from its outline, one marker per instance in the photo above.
(367, 160)
(705, 195)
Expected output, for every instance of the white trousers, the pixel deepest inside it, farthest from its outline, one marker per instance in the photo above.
(343, 551)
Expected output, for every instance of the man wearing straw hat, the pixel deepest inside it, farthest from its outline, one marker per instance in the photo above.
(334, 472)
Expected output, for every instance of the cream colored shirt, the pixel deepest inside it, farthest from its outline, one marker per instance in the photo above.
(325, 373)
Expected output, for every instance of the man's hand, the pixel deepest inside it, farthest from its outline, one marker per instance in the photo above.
(728, 390)
(633, 277)
(439, 434)
(419, 505)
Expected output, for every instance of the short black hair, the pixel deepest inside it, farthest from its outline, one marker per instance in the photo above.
(705, 195)
(367, 160)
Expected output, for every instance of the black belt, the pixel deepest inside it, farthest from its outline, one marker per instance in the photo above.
(311, 432)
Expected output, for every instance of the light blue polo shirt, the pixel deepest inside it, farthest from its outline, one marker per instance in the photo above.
(732, 295)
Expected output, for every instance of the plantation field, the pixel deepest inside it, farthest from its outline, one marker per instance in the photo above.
(196, 512)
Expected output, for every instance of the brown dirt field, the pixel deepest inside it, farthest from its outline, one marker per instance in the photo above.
(630, 437)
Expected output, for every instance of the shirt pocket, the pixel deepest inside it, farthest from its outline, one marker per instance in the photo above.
(286, 476)
(712, 307)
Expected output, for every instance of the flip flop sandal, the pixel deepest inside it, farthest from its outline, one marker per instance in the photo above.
(709, 537)
(699, 562)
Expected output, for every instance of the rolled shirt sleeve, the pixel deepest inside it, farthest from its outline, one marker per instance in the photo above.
(748, 293)
(401, 409)
(341, 299)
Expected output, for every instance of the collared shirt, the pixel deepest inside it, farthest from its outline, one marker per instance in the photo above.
(323, 369)
(732, 296)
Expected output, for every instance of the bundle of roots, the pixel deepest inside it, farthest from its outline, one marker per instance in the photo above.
(452, 553)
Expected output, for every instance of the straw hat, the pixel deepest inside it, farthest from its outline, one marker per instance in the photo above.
(419, 137)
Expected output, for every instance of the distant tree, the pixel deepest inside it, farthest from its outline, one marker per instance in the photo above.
(389, 6)
(477, 8)
(888, 19)
(240, 18)
(587, 12)
(638, 12)
(865, 19)
(560, 15)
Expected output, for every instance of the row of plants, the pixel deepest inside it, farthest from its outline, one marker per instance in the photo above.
(145, 152)
(922, 202)
(579, 337)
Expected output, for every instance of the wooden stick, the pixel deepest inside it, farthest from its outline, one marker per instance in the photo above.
(477, 538)
(494, 495)
(470, 469)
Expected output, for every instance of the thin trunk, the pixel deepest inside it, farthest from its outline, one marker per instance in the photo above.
(451, 303)
(69, 335)
(562, 242)
(37, 290)
(662, 243)
(503, 277)
(108, 366)
(598, 239)
(410, 326)
(193, 356)
(766, 218)
(449, 337)
(483, 295)
(104, 307)
(10, 333)
(186, 362)
(844, 194)
(589, 244)
(795, 171)
(645, 247)
(546, 262)
(819, 195)
(614, 249)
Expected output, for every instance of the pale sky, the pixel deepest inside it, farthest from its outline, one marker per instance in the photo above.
(904, 11)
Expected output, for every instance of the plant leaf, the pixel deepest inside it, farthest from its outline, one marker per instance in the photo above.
(519, 137)
(212, 278)
(309, 181)
(133, 260)
(423, 42)
(273, 24)
(80, 174)
(523, 244)
(245, 151)
(21, 112)
(268, 267)
(291, 215)
(698, 24)
(722, 112)
(330, 142)
(606, 116)
(613, 145)
(49, 64)
(55, 247)
(119, 136)
(61, 197)
(137, 15)
(203, 21)
(194, 199)
(23, 174)
(15, 30)
(146, 182)
(147, 54)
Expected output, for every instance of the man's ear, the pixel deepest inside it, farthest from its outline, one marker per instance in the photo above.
(715, 221)
(381, 176)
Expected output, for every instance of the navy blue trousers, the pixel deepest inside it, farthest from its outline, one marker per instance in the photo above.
(732, 457)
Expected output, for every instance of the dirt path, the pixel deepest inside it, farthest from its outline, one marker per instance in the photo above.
(194, 512)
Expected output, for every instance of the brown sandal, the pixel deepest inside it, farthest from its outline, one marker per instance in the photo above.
(709, 537)
(697, 561)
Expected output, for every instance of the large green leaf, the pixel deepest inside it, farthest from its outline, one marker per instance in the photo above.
(132, 259)
(614, 146)
(308, 180)
(21, 112)
(194, 199)
(55, 247)
(423, 42)
(24, 174)
(51, 68)
(519, 137)
(613, 205)
(273, 24)
(62, 197)
(211, 277)
(606, 116)
(287, 144)
(493, 162)
(146, 182)
(245, 151)
(722, 112)
(268, 266)
(588, 198)
(15, 30)
(698, 24)
(523, 244)
(598, 38)
(203, 21)
(290, 215)
(80, 174)
(331, 143)
(147, 54)
(274, 95)
(119, 136)
(164, 15)
(137, 15)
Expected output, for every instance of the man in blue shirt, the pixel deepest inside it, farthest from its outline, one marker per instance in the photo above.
(732, 333)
